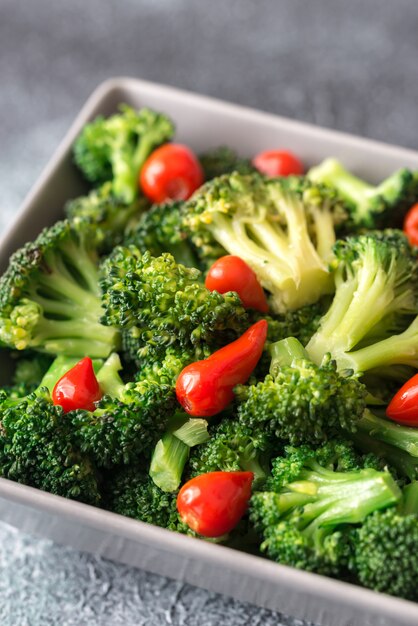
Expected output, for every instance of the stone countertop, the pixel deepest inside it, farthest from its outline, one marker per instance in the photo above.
(350, 66)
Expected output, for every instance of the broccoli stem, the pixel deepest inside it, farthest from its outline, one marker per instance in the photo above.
(168, 461)
(172, 450)
(410, 499)
(108, 377)
(403, 437)
(402, 461)
(398, 349)
(285, 352)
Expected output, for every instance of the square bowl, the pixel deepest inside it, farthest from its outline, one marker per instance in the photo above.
(202, 123)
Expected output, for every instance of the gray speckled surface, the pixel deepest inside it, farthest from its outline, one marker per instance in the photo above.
(351, 66)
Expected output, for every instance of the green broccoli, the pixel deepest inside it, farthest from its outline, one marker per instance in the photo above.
(401, 437)
(37, 444)
(130, 491)
(311, 498)
(172, 450)
(283, 228)
(300, 401)
(223, 160)
(50, 297)
(166, 303)
(115, 148)
(31, 369)
(369, 206)
(108, 215)
(232, 446)
(127, 421)
(161, 230)
(375, 282)
(386, 548)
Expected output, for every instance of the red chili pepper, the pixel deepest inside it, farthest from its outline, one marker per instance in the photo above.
(212, 504)
(205, 388)
(410, 225)
(78, 388)
(278, 163)
(172, 172)
(231, 273)
(403, 408)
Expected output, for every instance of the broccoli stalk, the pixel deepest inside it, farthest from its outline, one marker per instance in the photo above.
(401, 437)
(299, 401)
(172, 450)
(50, 297)
(369, 206)
(283, 228)
(308, 501)
(115, 148)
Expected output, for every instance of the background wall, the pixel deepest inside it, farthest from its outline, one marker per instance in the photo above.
(346, 65)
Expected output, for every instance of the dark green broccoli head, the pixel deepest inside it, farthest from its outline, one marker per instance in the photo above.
(283, 228)
(224, 160)
(303, 402)
(130, 491)
(311, 498)
(161, 230)
(30, 370)
(166, 301)
(50, 296)
(108, 215)
(125, 428)
(234, 447)
(37, 448)
(386, 553)
(370, 206)
(115, 148)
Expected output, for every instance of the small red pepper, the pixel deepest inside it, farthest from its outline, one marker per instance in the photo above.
(212, 504)
(410, 225)
(231, 273)
(205, 388)
(78, 388)
(403, 408)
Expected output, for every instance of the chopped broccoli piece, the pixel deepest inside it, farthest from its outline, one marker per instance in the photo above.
(310, 499)
(369, 206)
(401, 437)
(223, 160)
(31, 369)
(50, 297)
(166, 302)
(232, 446)
(386, 553)
(108, 215)
(130, 491)
(283, 228)
(374, 280)
(300, 401)
(115, 148)
(161, 230)
(37, 448)
(172, 450)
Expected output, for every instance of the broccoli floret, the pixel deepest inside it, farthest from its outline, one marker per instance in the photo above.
(115, 148)
(37, 448)
(386, 549)
(310, 499)
(161, 230)
(50, 297)
(130, 491)
(370, 206)
(127, 421)
(232, 446)
(300, 401)
(374, 281)
(108, 215)
(166, 302)
(223, 160)
(283, 228)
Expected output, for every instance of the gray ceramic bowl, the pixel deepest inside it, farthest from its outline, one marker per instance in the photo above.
(201, 123)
